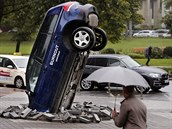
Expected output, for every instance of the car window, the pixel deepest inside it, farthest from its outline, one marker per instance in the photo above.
(101, 62)
(91, 61)
(0, 62)
(34, 75)
(7, 62)
(21, 63)
(48, 24)
(114, 62)
(131, 63)
(97, 62)
(44, 37)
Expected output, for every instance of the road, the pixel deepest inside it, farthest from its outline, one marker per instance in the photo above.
(159, 105)
(164, 93)
(5, 90)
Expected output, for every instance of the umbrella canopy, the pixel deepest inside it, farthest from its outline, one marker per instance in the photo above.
(118, 75)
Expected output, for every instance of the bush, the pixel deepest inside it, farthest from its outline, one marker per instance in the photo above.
(108, 51)
(136, 56)
(167, 51)
(139, 50)
(157, 52)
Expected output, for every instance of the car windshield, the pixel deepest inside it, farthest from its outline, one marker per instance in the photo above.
(21, 63)
(130, 62)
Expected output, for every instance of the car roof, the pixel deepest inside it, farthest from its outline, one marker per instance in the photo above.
(119, 56)
(14, 56)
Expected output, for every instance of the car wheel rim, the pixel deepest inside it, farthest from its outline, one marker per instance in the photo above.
(19, 83)
(141, 89)
(86, 84)
(81, 39)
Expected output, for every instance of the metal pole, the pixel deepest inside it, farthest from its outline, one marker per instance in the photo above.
(109, 87)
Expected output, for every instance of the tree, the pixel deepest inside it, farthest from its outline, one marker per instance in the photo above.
(1, 9)
(134, 6)
(167, 19)
(27, 15)
(113, 16)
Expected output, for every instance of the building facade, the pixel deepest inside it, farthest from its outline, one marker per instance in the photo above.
(152, 11)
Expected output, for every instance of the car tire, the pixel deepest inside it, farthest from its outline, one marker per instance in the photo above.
(142, 90)
(87, 85)
(83, 39)
(18, 82)
(101, 39)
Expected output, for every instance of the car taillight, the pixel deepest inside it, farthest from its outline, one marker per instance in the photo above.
(67, 6)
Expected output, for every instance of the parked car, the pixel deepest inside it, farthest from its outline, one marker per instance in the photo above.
(156, 77)
(166, 35)
(12, 70)
(161, 32)
(146, 33)
(68, 32)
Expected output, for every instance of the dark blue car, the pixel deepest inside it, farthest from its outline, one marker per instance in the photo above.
(68, 32)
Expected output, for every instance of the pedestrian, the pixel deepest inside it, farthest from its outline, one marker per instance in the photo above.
(148, 53)
(133, 113)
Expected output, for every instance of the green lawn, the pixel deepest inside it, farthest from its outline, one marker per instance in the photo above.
(125, 46)
(156, 62)
(8, 47)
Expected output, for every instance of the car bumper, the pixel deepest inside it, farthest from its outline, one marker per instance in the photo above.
(159, 82)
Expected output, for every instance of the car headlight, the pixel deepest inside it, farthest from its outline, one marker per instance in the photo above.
(154, 75)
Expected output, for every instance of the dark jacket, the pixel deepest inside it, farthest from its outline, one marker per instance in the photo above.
(148, 52)
(133, 114)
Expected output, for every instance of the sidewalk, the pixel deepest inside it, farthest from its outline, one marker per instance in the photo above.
(159, 116)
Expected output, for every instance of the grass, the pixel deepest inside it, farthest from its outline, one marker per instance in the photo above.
(127, 45)
(7, 46)
(156, 62)
(124, 46)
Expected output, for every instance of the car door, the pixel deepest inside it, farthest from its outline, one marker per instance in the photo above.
(114, 62)
(6, 71)
(93, 64)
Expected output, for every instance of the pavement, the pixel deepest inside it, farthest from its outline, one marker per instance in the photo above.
(159, 112)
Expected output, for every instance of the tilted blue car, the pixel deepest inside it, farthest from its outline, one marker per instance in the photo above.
(68, 32)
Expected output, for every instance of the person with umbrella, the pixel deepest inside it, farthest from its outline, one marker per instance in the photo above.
(133, 112)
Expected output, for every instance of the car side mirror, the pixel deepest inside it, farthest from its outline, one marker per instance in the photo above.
(10, 66)
(123, 66)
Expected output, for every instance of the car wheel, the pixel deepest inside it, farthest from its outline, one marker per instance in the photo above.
(101, 39)
(83, 39)
(19, 82)
(142, 90)
(87, 85)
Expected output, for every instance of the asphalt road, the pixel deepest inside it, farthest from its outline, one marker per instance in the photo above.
(164, 93)
(159, 105)
(5, 90)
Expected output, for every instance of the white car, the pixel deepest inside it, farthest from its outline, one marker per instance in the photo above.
(161, 32)
(12, 70)
(166, 35)
(146, 33)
